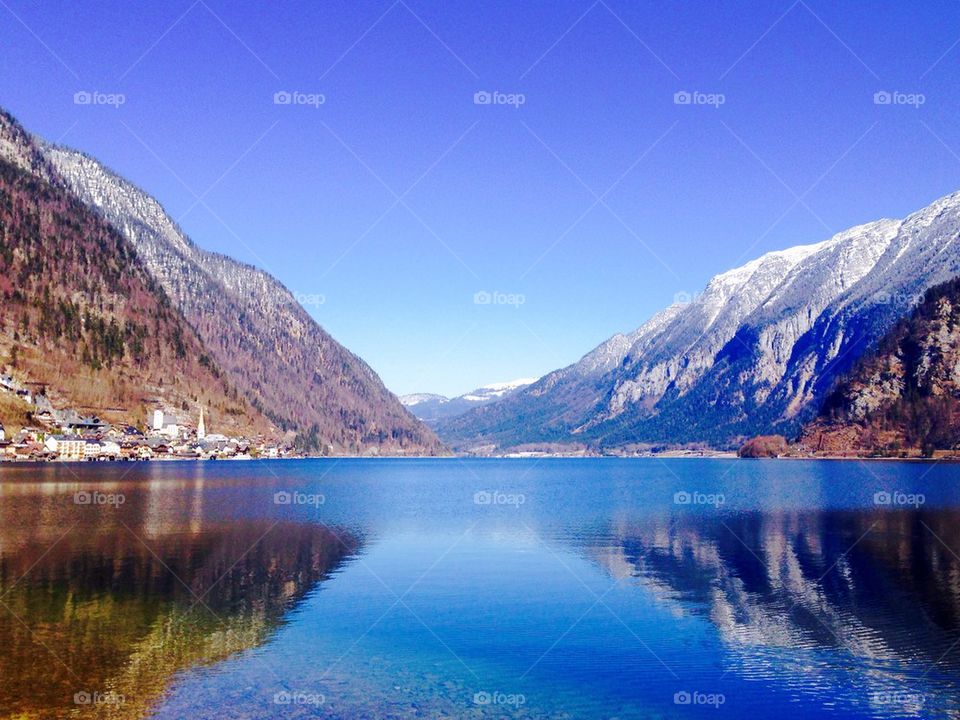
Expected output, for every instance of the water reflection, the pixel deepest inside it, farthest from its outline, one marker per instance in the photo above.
(798, 598)
(794, 595)
(101, 606)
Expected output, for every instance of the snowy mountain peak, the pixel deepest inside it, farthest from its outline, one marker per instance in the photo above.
(752, 353)
(419, 398)
(432, 408)
(503, 387)
(273, 351)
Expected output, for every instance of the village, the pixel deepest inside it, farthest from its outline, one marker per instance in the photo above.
(67, 435)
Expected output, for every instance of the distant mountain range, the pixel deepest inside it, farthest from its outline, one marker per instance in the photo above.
(432, 409)
(756, 352)
(231, 330)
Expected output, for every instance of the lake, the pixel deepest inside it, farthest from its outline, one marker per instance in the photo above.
(533, 588)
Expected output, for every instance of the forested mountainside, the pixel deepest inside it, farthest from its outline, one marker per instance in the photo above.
(903, 398)
(268, 346)
(754, 353)
(81, 316)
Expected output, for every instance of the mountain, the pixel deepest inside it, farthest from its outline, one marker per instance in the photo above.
(82, 318)
(113, 308)
(268, 346)
(755, 352)
(432, 408)
(902, 398)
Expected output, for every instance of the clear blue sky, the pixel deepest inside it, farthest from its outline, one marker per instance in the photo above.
(496, 197)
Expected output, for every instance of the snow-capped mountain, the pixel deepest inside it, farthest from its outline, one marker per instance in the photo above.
(83, 317)
(432, 408)
(273, 352)
(495, 391)
(421, 398)
(756, 351)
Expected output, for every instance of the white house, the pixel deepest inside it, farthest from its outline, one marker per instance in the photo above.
(67, 447)
(109, 448)
(165, 424)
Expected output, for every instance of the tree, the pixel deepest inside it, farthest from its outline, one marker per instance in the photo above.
(764, 446)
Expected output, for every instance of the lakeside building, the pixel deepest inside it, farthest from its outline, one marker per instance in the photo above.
(66, 434)
(67, 447)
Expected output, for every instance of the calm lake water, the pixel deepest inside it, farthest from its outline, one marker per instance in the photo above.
(480, 588)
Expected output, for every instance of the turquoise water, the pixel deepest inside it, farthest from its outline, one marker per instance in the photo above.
(482, 588)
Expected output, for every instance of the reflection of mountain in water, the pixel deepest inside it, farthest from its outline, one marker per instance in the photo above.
(105, 611)
(880, 586)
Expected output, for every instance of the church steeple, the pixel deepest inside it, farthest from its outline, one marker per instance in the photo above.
(201, 428)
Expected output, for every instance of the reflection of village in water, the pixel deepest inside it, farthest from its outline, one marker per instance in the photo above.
(882, 588)
(100, 608)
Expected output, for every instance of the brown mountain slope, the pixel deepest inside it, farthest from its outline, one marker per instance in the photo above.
(903, 398)
(269, 347)
(81, 314)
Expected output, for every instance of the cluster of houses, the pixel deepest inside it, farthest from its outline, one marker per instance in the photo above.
(68, 435)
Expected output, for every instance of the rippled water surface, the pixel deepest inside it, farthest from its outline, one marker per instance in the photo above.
(495, 588)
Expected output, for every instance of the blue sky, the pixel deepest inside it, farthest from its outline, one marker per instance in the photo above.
(580, 211)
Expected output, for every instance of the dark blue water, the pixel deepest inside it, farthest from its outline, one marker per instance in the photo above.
(482, 588)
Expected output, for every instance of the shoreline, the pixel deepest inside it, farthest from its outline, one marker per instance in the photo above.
(718, 455)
